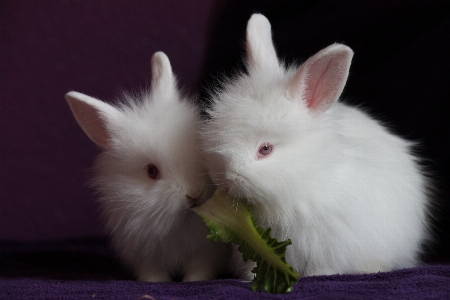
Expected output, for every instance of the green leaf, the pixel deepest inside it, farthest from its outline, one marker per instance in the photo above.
(230, 220)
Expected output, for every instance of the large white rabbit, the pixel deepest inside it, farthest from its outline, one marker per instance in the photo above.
(347, 192)
(149, 175)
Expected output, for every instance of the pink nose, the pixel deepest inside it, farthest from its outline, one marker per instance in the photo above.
(205, 195)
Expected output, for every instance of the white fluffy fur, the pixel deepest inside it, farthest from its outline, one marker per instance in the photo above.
(150, 221)
(346, 191)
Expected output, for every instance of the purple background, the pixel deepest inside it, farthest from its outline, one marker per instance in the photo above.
(401, 71)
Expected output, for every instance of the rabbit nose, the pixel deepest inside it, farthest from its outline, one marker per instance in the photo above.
(205, 195)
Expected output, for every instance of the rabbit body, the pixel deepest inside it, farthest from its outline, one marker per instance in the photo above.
(149, 175)
(347, 192)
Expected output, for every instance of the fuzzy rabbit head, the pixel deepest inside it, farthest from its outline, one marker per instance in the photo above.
(268, 123)
(150, 170)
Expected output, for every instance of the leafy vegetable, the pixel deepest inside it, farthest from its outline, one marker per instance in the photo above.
(231, 221)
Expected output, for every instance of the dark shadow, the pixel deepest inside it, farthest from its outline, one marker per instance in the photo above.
(87, 259)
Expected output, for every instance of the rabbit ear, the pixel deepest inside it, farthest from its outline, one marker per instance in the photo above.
(163, 80)
(260, 49)
(320, 80)
(94, 117)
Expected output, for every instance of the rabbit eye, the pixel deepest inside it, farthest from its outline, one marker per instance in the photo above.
(152, 171)
(265, 150)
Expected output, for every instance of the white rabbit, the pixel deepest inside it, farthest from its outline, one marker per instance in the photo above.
(347, 192)
(149, 175)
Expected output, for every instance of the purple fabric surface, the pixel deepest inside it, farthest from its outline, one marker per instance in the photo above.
(87, 269)
(432, 282)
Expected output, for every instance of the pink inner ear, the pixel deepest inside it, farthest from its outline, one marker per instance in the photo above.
(320, 80)
(91, 121)
(323, 83)
(96, 128)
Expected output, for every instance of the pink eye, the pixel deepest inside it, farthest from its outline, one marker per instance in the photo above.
(265, 150)
(152, 171)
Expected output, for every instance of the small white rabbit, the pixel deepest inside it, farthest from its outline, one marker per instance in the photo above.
(149, 175)
(347, 192)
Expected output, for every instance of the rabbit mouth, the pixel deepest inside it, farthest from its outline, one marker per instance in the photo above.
(206, 193)
(238, 185)
(194, 202)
